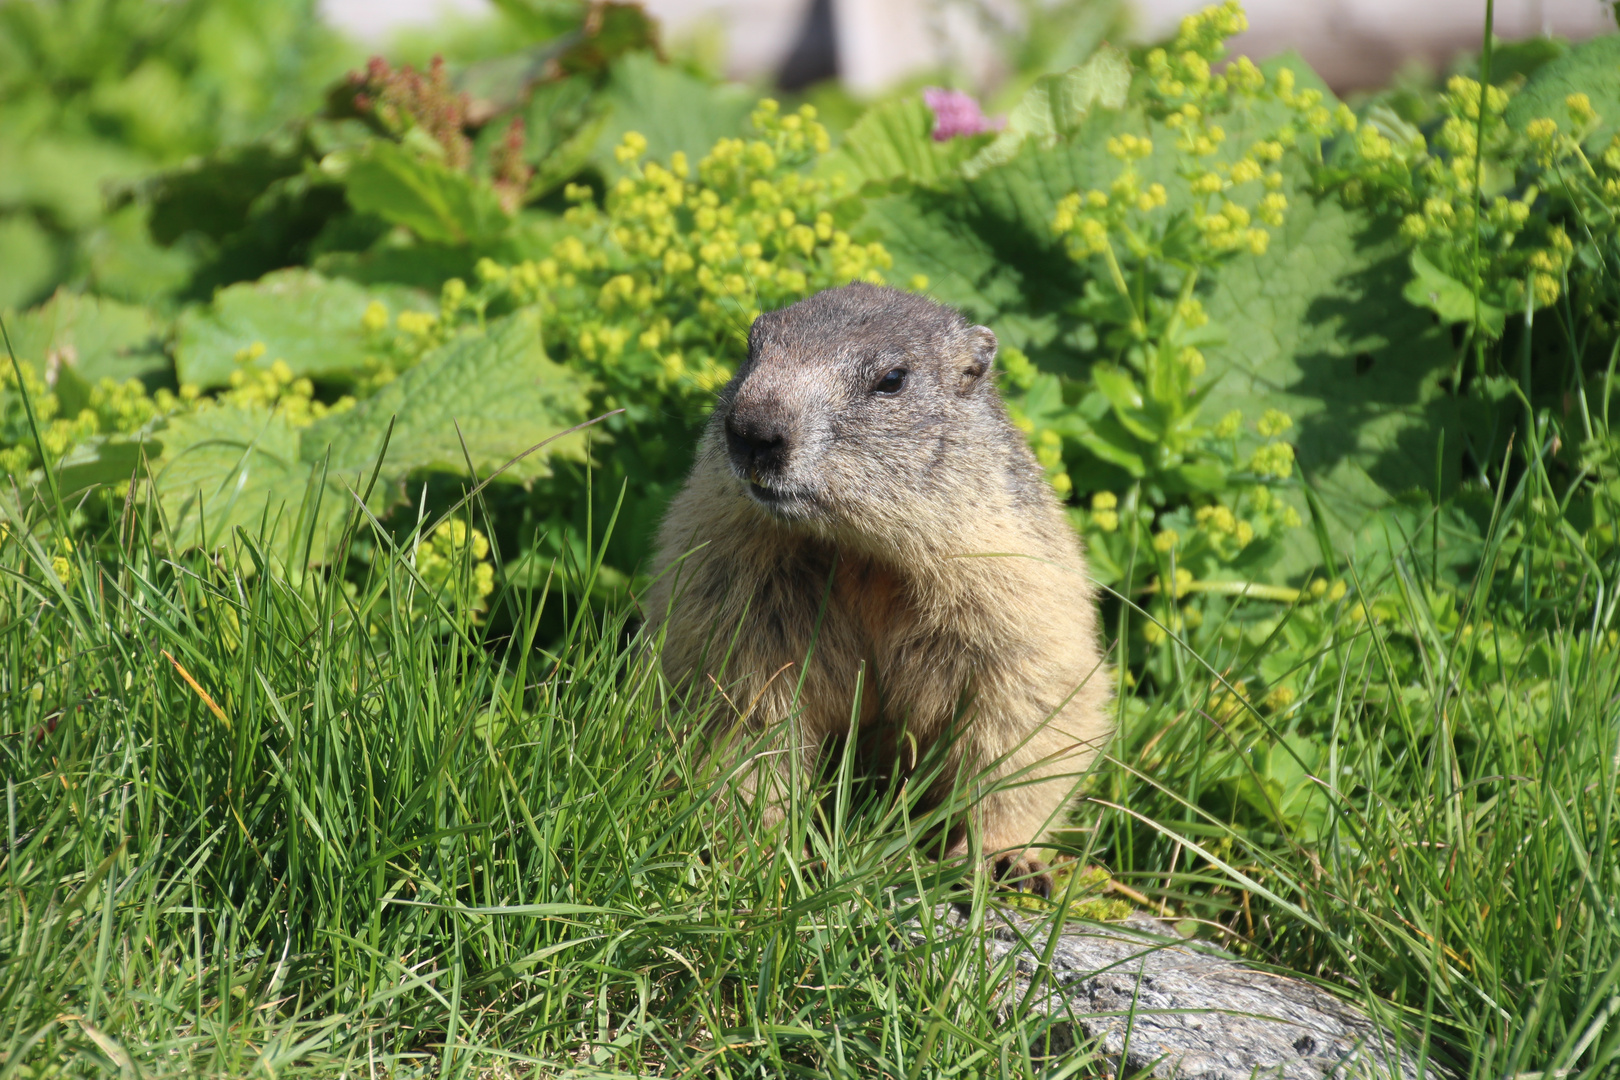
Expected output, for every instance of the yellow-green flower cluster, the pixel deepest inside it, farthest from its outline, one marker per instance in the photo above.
(1105, 511)
(650, 289)
(110, 407)
(453, 562)
(1048, 445)
(1257, 513)
(413, 333)
(1234, 194)
(275, 387)
(1501, 244)
(62, 562)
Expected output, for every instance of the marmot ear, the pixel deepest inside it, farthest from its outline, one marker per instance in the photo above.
(981, 354)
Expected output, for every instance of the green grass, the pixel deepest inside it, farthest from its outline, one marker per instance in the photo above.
(400, 845)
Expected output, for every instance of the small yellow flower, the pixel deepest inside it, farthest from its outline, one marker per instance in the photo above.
(1274, 459)
(1273, 423)
(417, 323)
(1546, 289)
(631, 147)
(375, 318)
(1580, 109)
(1541, 130)
(1279, 699)
(1246, 170)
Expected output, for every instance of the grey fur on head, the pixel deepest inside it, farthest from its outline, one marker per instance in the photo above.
(836, 385)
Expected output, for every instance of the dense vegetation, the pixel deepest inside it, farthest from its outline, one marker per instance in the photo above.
(337, 412)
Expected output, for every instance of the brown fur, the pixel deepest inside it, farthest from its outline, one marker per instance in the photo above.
(919, 529)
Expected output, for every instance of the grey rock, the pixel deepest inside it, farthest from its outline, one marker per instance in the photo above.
(1184, 1009)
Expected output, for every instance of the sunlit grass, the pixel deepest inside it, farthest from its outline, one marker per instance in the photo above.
(258, 825)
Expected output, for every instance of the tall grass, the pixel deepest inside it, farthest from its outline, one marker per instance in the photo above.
(1433, 820)
(256, 824)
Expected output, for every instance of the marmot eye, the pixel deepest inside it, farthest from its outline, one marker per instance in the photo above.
(891, 383)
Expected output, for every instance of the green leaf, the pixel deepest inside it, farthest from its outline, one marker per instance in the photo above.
(27, 260)
(564, 120)
(103, 459)
(63, 176)
(311, 322)
(1454, 302)
(213, 195)
(895, 139)
(97, 338)
(1109, 440)
(227, 465)
(1126, 398)
(431, 199)
(1057, 105)
(220, 466)
(986, 243)
(497, 387)
(1203, 477)
(1319, 328)
(122, 261)
(670, 108)
(1591, 68)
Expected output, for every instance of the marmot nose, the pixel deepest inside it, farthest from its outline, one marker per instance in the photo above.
(757, 444)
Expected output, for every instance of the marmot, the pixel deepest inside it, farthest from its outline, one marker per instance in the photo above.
(861, 498)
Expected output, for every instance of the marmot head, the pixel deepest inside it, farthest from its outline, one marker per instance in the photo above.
(862, 409)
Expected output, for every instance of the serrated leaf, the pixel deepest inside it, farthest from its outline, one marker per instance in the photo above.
(431, 199)
(895, 139)
(225, 466)
(1056, 106)
(497, 387)
(1591, 68)
(670, 108)
(309, 321)
(1319, 329)
(97, 338)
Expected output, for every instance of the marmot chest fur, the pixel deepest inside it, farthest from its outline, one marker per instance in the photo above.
(859, 489)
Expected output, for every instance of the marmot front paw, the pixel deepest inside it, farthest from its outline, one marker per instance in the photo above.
(1023, 873)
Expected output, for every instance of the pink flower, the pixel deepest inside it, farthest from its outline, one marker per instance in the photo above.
(956, 113)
